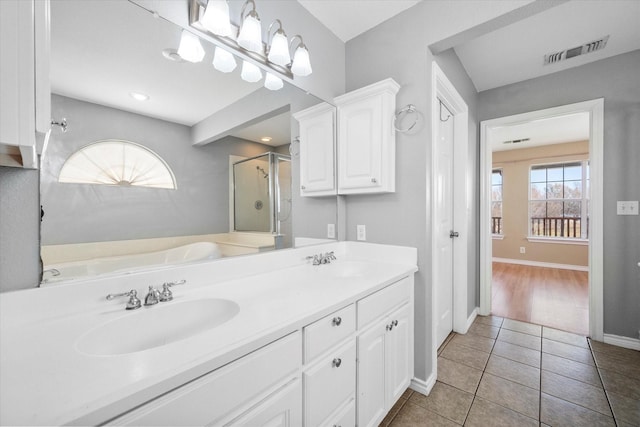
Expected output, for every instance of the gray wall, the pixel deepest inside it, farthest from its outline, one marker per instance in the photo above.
(398, 48)
(19, 229)
(78, 213)
(617, 80)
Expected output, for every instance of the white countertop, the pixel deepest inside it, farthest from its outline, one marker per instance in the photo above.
(45, 380)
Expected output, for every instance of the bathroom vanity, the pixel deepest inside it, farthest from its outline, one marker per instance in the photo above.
(284, 343)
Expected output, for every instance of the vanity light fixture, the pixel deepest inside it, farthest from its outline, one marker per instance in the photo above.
(250, 36)
(250, 72)
(278, 49)
(224, 61)
(190, 48)
(301, 65)
(139, 96)
(272, 82)
(216, 18)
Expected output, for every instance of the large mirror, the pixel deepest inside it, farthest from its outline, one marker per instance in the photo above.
(162, 161)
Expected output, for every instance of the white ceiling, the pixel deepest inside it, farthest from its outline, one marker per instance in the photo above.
(277, 128)
(516, 52)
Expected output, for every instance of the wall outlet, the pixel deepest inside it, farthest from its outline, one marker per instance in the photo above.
(361, 233)
(523, 250)
(627, 207)
(331, 231)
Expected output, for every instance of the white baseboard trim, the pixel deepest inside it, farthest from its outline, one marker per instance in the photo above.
(541, 264)
(626, 342)
(471, 318)
(422, 386)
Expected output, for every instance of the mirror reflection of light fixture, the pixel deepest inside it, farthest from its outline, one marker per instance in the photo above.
(224, 61)
(216, 18)
(190, 48)
(278, 49)
(250, 36)
(250, 72)
(301, 65)
(272, 82)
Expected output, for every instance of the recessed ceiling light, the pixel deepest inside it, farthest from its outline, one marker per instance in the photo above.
(266, 139)
(172, 55)
(138, 96)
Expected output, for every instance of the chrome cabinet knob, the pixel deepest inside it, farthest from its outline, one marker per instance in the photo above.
(336, 362)
(336, 321)
(374, 181)
(303, 187)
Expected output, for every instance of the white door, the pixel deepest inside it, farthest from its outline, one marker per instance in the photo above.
(443, 199)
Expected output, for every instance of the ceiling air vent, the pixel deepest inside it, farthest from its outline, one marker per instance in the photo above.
(516, 141)
(554, 57)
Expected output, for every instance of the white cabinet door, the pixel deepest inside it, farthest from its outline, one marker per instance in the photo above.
(317, 150)
(371, 375)
(366, 139)
(399, 354)
(282, 409)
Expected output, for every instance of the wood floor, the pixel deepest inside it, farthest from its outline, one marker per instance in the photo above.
(544, 296)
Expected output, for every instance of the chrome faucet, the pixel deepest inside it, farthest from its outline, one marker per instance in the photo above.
(153, 296)
(133, 303)
(325, 258)
(166, 294)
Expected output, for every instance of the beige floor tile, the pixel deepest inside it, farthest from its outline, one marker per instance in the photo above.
(518, 338)
(474, 341)
(525, 328)
(445, 342)
(411, 415)
(560, 413)
(510, 395)
(567, 351)
(407, 393)
(514, 371)
(484, 413)
(614, 350)
(393, 412)
(572, 369)
(620, 384)
(565, 337)
(490, 320)
(446, 401)
(465, 355)
(623, 366)
(625, 408)
(483, 330)
(575, 391)
(458, 375)
(517, 353)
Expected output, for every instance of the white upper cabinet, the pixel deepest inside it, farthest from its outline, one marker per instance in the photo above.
(317, 150)
(25, 104)
(366, 139)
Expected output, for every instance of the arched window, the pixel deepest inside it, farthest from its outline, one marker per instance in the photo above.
(115, 162)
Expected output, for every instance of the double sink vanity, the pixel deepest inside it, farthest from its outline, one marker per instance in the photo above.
(267, 339)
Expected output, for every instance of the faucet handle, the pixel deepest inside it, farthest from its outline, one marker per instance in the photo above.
(133, 303)
(166, 294)
(153, 296)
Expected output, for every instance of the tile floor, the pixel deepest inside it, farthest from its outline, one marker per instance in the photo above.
(509, 373)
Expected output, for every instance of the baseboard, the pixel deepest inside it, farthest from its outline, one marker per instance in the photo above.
(421, 386)
(541, 264)
(626, 342)
(471, 319)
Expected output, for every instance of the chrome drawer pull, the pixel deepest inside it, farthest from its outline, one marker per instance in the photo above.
(337, 362)
(336, 321)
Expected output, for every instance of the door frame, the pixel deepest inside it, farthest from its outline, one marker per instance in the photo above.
(442, 88)
(595, 108)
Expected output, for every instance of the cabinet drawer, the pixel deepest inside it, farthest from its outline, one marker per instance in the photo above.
(282, 409)
(328, 331)
(380, 303)
(327, 385)
(344, 417)
(209, 398)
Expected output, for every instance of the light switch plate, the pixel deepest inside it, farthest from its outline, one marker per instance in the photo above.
(331, 231)
(361, 233)
(628, 207)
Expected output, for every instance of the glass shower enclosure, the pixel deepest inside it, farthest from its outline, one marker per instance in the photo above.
(262, 196)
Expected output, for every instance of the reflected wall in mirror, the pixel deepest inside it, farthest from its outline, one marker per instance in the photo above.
(198, 120)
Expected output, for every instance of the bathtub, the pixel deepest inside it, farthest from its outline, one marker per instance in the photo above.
(193, 252)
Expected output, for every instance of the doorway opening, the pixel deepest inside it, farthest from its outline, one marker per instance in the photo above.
(541, 215)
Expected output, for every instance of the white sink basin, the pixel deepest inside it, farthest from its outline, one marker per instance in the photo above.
(151, 327)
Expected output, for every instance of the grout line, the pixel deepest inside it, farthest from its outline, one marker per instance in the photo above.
(606, 394)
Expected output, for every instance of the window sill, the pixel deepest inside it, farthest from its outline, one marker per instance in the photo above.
(497, 236)
(559, 240)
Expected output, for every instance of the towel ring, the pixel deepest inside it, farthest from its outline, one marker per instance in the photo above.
(409, 109)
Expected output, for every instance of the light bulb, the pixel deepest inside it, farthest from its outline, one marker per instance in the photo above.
(301, 65)
(250, 72)
(250, 36)
(279, 50)
(272, 82)
(190, 48)
(216, 18)
(224, 61)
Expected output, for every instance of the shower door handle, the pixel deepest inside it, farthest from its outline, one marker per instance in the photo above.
(453, 234)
